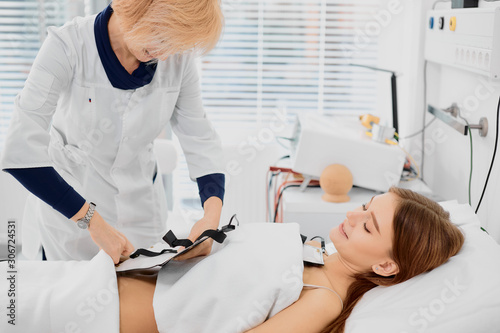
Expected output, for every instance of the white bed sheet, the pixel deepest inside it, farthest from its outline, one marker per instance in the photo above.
(463, 295)
(253, 275)
(62, 296)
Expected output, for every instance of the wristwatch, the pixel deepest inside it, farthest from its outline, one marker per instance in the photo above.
(84, 222)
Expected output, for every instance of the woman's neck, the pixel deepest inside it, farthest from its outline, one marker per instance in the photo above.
(126, 58)
(337, 268)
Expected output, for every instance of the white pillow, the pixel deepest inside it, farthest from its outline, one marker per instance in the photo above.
(462, 295)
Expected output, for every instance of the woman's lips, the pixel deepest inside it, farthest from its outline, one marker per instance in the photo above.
(342, 231)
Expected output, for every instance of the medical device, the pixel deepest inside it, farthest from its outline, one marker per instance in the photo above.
(313, 255)
(394, 93)
(319, 141)
(467, 38)
(162, 253)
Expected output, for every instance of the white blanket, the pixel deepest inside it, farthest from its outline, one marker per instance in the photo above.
(255, 274)
(60, 296)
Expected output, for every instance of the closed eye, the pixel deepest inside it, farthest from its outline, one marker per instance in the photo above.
(365, 209)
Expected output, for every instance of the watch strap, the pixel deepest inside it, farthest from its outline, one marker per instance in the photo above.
(85, 221)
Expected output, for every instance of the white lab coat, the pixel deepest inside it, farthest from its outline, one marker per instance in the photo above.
(99, 138)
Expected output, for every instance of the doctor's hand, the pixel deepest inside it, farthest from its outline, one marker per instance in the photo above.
(112, 241)
(210, 220)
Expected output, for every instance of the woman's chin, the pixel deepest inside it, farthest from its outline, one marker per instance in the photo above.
(334, 235)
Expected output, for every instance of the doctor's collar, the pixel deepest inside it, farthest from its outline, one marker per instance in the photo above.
(116, 73)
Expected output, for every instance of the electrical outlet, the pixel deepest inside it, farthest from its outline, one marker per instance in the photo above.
(468, 39)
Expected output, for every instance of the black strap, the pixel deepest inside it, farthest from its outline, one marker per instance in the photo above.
(304, 238)
(218, 235)
(173, 241)
(147, 253)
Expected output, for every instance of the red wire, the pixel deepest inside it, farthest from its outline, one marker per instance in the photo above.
(267, 194)
(276, 195)
(268, 189)
(281, 210)
(279, 215)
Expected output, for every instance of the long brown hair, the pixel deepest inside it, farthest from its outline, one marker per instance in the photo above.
(424, 238)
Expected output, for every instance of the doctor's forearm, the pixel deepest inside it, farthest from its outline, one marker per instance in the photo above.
(213, 208)
(50, 187)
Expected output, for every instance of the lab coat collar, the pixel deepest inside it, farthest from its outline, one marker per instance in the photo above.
(116, 73)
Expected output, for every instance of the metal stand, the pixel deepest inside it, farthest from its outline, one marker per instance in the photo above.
(444, 115)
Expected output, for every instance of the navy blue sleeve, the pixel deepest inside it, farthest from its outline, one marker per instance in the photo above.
(50, 187)
(211, 186)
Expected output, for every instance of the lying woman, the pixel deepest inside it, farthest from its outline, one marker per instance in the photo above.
(394, 237)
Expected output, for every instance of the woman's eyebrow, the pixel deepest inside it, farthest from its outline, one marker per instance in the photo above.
(375, 223)
(374, 219)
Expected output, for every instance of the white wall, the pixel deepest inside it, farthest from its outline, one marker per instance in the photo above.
(248, 155)
(446, 153)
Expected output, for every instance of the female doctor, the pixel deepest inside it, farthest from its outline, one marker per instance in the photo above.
(101, 89)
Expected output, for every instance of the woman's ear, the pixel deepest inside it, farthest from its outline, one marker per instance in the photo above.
(386, 268)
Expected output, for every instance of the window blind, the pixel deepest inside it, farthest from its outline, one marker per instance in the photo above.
(291, 54)
(23, 26)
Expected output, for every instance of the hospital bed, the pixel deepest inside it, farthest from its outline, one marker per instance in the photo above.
(463, 295)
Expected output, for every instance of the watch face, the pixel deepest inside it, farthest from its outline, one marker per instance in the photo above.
(82, 224)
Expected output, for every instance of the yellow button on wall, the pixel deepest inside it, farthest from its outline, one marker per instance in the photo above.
(453, 23)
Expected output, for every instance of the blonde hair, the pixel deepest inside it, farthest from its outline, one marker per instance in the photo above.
(167, 27)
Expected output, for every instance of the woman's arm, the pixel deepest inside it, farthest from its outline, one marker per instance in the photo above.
(314, 310)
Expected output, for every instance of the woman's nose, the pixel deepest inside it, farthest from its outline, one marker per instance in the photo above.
(355, 217)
